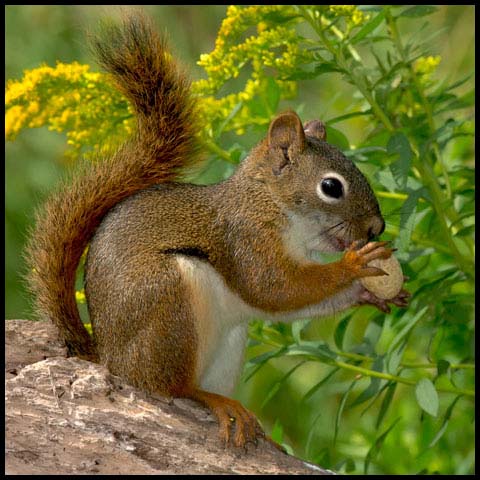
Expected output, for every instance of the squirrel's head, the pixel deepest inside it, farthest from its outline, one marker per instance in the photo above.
(316, 184)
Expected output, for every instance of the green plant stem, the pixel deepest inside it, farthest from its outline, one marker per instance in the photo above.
(220, 152)
(395, 196)
(342, 64)
(466, 265)
(394, 378)
(353, 78)
(363, 358)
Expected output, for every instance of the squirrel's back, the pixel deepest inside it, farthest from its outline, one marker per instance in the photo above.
(162, 147)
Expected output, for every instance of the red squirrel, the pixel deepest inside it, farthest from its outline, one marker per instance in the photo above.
(175, 271)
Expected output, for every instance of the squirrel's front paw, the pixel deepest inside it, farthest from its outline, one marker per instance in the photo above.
(368, 298)
(355, 261)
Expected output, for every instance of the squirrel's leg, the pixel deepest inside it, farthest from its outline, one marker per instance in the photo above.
(162, 340)
(231, 416)
(142, 321)
(221, 332)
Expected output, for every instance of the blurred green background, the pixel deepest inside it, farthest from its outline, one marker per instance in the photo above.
(35, 162)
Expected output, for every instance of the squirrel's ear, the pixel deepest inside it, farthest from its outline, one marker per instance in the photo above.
(316, 129)
(286, 130)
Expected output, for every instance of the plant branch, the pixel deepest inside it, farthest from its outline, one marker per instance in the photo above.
(361, 370)
(420, 90)
(355, 79)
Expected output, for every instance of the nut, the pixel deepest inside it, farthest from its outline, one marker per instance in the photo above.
(388, 286)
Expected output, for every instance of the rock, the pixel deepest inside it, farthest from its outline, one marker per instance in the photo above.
(69, 416)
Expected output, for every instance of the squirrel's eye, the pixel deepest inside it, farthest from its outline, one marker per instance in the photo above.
(332, 187)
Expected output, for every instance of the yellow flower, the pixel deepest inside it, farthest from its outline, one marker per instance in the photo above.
(353, 16)
(80, 296)
(67, 97)
(427, 65)
(14, 120)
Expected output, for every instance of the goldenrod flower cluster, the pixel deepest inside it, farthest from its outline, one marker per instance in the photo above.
(273, 52)
(352, 15)
(68, 98)
(427, 65)
(260, 41)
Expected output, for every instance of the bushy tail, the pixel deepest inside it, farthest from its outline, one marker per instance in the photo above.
(163, 146)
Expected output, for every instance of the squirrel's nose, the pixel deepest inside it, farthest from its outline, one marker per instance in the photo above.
(375, 227)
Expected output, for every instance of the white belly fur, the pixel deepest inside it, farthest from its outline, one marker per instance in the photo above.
(222, 321)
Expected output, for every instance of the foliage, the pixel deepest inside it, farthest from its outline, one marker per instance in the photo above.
(391, 386)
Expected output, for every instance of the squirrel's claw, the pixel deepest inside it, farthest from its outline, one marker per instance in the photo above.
(368, 298)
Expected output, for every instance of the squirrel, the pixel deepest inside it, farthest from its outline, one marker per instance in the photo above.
(174, 271)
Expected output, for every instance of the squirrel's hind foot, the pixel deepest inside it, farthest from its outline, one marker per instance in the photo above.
(237, 425)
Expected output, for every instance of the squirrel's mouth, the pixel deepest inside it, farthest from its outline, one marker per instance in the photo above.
(341, 244)
(338, 244)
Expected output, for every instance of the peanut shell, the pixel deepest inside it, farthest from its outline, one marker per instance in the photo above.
(385, 286)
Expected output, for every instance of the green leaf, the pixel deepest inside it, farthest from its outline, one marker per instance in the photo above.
(427, 396)
(311, 433)
(385, 178)
(318, 385)
(360, 154)
(227, 120)
(398, 339)
(347, 116)
(339, 333)
(316, 349)
(277, 432)
(379, 62)
(408, 212)
(309, 73)
(466, 231)
(337, 138)
(418, 11)
(297, 328)
(395, 357)
(368, 27)
(399, 144)
(260, 360)
(373, 387)
(460, 82)
(439, 282)
(387, 400)
(341, 406)
(377, 445)
(374, 329)
(276, 386)
(272, 94)
(347, 463)
(446, 419)
(323, 458)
